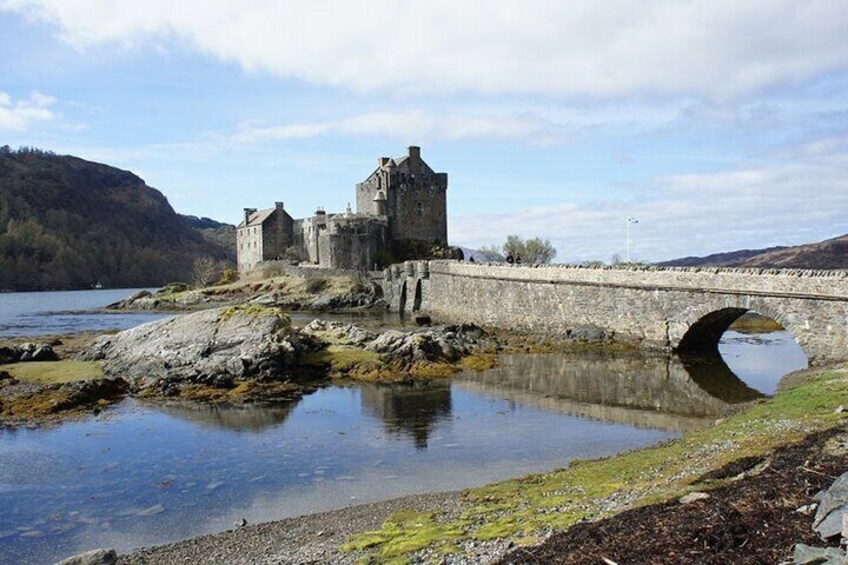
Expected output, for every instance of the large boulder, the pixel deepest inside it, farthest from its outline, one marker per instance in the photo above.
(210, 347)
(833, 507)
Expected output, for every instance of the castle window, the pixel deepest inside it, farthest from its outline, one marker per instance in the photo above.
(419, 209)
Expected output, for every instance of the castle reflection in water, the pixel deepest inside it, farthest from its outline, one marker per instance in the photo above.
(670, 393)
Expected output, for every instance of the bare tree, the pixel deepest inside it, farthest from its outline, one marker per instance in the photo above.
(203, 272)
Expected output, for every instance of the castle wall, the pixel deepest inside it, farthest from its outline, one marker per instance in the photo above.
(416, 198)
(249, 247)
(352, 242)
(419, 210)
(277, 234)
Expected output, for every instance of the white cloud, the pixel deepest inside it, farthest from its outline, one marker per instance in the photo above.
(801, 199)
(17, 115)
(703, 48)
(415, 124)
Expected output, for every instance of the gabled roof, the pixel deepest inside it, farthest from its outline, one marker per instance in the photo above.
(258, 218)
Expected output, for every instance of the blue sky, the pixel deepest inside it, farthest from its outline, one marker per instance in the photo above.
(719, 126)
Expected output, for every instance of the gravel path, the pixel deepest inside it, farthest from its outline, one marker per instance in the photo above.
(314, 538)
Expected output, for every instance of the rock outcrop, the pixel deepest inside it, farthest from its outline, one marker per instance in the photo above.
(338, 333)
(211, 347)
(27, 352)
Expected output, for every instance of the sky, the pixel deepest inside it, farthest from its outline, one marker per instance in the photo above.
(718, 124)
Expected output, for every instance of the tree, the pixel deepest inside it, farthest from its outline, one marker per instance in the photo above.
(203, 272)
(531, 251)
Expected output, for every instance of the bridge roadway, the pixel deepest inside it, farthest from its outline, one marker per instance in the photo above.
(685, 309)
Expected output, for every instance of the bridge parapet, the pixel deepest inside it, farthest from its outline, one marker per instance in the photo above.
(821, 283)
(686, 308)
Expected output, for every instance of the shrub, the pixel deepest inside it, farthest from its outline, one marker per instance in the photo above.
(228, 276)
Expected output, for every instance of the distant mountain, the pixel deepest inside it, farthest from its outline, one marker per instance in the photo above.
(479, 256)
(829, 254)
(214, 231)
(67, 223)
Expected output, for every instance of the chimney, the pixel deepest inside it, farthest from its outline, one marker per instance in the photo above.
(414, 159)
(278, 206)
(383, 161)
(247, 213)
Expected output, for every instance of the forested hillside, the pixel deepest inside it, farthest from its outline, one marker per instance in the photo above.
(67, 223)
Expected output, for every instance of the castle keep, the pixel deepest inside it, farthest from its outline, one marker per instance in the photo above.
(402, 201)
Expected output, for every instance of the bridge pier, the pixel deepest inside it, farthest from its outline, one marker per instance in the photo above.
(407, 287)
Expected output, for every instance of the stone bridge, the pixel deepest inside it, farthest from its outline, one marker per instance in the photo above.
(685, 309)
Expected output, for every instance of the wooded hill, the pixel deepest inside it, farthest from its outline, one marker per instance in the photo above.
(67, 223)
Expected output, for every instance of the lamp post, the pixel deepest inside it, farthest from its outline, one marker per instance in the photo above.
(629, 221)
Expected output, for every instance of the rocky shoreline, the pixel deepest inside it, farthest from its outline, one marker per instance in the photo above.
(250, 352)
(769, 507)
(237, 354)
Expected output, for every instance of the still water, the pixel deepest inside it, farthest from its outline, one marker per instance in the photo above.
(52, 313)
(143, 474)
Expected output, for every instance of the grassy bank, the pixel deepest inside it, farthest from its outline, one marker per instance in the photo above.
(525, 509)
(41, 392)
(51, 372)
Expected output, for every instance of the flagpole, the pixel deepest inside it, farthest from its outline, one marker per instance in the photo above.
(629, 220)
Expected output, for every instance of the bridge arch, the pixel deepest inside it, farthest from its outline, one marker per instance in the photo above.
(704, 333)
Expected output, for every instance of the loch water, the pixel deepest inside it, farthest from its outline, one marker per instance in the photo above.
(143, 474)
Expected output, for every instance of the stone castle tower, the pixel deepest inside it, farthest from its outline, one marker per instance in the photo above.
(403, 201)
(410, 194)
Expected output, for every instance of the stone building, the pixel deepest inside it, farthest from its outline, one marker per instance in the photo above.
(402, 201)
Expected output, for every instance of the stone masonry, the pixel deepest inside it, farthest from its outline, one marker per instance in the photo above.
(678, 308)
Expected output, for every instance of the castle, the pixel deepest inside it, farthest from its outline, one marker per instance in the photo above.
(402, 202)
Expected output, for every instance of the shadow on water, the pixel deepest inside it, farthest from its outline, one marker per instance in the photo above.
(712, 375)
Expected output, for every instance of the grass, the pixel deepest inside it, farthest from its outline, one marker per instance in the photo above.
(525, 508)
(49, 372)
(752, 322)
(256, 310)
(342, 361)
(405, 532)
(290, 288)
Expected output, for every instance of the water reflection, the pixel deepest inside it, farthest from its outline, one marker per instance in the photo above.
(409, 410)
(660, 392)
(147, 474)
(244, 418)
